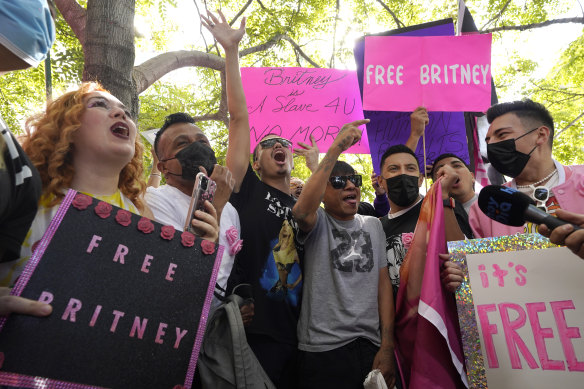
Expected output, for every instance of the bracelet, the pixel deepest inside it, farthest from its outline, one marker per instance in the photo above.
(155, 174)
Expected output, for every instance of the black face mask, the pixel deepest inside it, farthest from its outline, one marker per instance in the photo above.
(191, 157)
(403, 190)
(506, 159)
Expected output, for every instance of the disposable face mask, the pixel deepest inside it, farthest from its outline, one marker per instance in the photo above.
(506, 159)
(192, 157)
(403, 190)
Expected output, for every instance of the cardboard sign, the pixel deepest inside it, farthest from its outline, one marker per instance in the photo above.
(446, 132)
(527, 306)
(130, 302)
(295, 103)
(440, 73)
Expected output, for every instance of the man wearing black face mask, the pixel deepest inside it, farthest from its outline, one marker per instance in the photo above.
(400, 177)
(183, 149)
(519, 145)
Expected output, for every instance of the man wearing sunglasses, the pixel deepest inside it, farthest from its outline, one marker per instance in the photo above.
(269, 261)
(519, 145)
(346, 323)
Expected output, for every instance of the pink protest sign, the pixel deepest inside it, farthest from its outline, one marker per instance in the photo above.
(298, 102)
(520, 313)
(442, 73)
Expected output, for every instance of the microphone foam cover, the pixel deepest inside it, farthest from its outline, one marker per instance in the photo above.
(504, 204)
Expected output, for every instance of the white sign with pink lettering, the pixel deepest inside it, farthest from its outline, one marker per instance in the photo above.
(529, 309)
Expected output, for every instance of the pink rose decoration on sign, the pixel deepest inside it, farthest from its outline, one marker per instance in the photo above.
(187, 239)
(207, 246)
(167, 232)
(145, 225)
(232, 236)
(103, 209)
(124, 217)
(407, 239)
(82, 201)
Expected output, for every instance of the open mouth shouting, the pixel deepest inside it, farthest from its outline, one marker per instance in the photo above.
(121, 130)
(350, 198)
(279, 156)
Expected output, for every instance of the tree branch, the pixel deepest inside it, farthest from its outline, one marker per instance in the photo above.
(274, 40)
(75, 16)
(393, 15)
(569, 125)
(150, 71)
(554, 90)
(262, 47)
(497, 16)
(241, 11)
(299, 50)
(332, 61)
(534, 25)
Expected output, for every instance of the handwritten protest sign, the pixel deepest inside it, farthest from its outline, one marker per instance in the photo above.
(440, 73)
(298, 102)
(446, 132)
(130, 300)
(521, 310)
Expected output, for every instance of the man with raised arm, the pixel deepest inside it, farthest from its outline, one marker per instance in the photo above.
(346, 322)
(268, 263)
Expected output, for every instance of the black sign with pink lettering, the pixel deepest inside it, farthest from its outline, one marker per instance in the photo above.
(130, 302)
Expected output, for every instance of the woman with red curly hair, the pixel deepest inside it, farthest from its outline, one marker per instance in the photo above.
(85, 140)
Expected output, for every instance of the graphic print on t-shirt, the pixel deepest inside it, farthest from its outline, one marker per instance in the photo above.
(353, 252)
(281, 276)
(396, 252)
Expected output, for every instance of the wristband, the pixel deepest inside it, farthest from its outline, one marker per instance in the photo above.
(449, 203)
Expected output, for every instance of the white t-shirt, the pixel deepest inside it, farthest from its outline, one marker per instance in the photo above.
(170, 207)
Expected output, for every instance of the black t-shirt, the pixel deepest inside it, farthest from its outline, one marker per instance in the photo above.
(399, 233)
(269, 259)
(20, 188)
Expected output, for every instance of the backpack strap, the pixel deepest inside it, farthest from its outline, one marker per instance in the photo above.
(238, 338)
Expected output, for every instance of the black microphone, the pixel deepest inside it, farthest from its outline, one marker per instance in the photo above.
(513, 208)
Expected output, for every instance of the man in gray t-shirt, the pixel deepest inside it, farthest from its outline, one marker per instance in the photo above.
(346, 320)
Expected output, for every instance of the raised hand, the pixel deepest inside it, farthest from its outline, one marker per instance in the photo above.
(449, 179)
(349, 135)
(375, 183)
(420, 120)
(310, 153)
(228, 37)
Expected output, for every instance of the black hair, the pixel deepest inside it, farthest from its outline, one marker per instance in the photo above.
(342, 168)
(178, 117)
(396, 149)
(444, 156)
(527, 111)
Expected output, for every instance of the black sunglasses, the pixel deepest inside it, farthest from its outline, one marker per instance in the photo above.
(339, 182)
(269, 143)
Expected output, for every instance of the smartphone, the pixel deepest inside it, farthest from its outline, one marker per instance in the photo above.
(204, 190)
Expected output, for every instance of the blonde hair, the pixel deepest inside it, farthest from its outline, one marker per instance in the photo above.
(49, 145)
